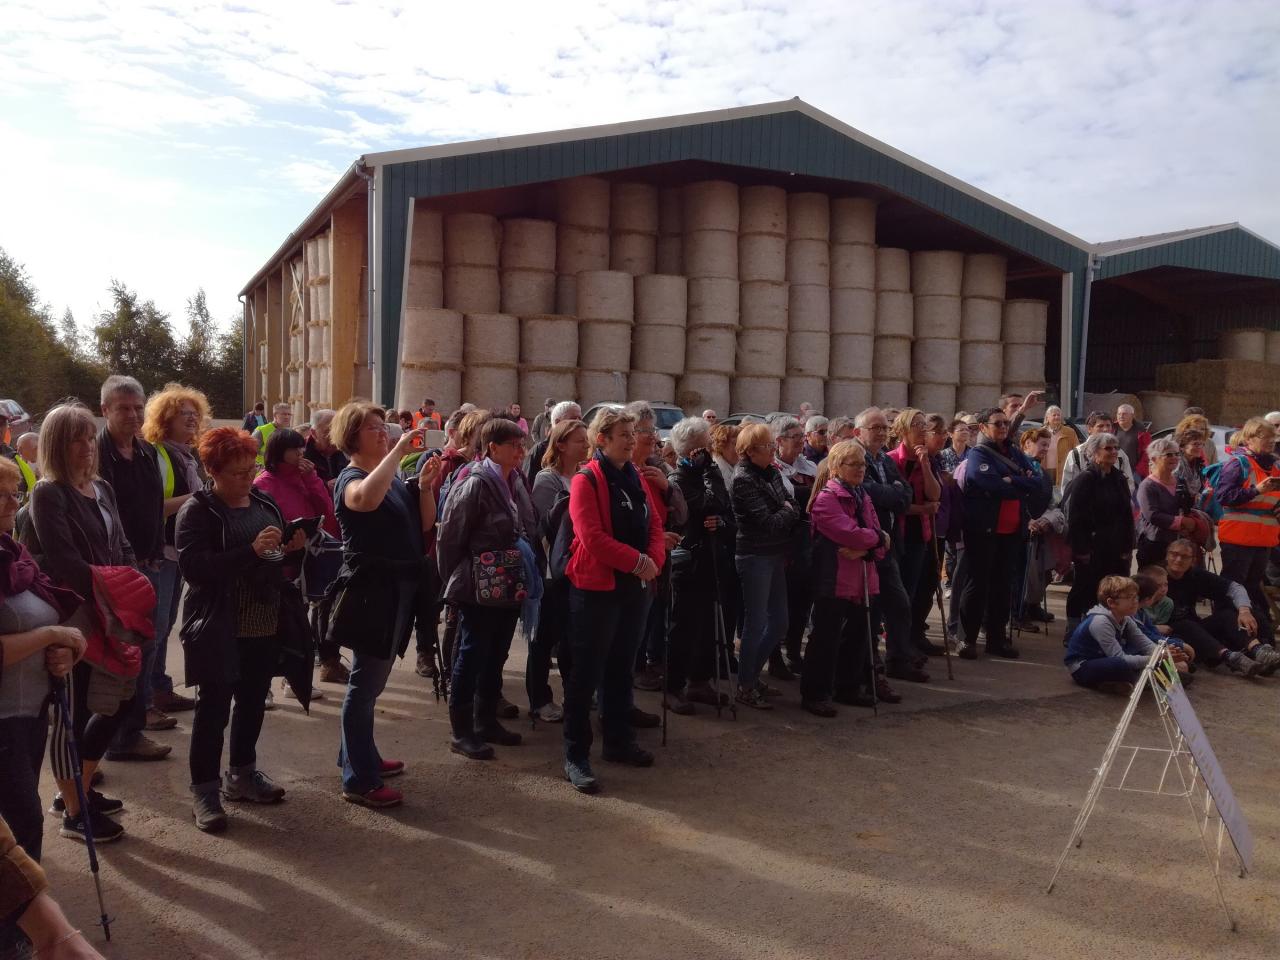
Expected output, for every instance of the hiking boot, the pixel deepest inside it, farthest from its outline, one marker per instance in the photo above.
(967, 651)
(391, 768)
(142, 748)
(911, 673)
(1266, 655)
(1006, 650)
(102, 827)
(464, 741)
(549, 712)
(1239, 663)
(678, 705)
(507, 710)
(377, 798)
(426, 666)
(820, 708)
(332, 671)
(705, 694)
(643, 719)
(580, 775)
(754, 699)
(886, 693)
(251, 786)
(206, 808)
(98, 803)
(490, 730)
(633, 755)
(159, 720)
(172, 702)
(650, 678)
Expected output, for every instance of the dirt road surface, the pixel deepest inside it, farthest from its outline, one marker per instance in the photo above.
(929, 831)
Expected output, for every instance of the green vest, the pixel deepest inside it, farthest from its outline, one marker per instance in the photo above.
(28, 475)
(263, 433)
(166, 469)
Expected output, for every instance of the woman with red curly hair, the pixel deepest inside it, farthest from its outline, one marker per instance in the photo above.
(236, 634)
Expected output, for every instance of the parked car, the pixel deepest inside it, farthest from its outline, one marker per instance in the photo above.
(1220, 435)
(668, 415)
(19, 419)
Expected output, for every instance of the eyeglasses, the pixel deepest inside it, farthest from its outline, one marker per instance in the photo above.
(1177, 555)
(997, 423)
(791, 436)
(1108, 446)
(822, 432)
(760, 447)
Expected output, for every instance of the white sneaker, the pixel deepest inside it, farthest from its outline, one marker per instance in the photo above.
(549, 712)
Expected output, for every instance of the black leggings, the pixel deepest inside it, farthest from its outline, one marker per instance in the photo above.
(93, 731)
(1084, 588)
(552, 636)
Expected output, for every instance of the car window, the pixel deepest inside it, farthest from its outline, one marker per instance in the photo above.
(668, 418)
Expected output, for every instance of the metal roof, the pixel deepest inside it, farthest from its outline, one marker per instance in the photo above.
(1225, 248)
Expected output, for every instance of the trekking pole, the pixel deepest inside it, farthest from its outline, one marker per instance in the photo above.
(942, 609)
(722, 640)
(60, 694)
(1022, 594)
(666, 660)
(871, 640)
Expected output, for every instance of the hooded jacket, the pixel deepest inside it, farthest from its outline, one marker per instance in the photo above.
(843, 516)
(597, 555)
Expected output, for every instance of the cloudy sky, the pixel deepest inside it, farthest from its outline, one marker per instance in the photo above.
(174, 145)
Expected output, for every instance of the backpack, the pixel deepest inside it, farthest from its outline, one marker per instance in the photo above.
(1208, 499)
(557, 529)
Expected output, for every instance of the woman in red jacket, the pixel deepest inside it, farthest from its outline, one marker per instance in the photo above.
(618, 548)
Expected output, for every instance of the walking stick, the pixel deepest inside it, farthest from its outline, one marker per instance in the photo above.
(942, 609)
(60, 694)
(666, 659)
(871, 640)
(722, 641)
(1016, 624)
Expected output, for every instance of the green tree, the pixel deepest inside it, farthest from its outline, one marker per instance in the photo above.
(69, 334)
(133, 337)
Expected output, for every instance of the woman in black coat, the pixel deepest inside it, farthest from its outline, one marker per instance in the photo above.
(1099, 524)
(243, 623)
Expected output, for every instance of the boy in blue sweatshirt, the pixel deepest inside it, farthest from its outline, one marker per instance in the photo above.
(1109, 647)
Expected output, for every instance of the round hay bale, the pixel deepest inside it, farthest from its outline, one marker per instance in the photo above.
(853, 265)
(808, 353)
(937, 273)
(311, 252)
(889, 393)
(633, 253)
(599, 386)
(895, 314)
(603, 345)
(893, 269)
(471, 239)
(762, 256)
(984, 275)
(696, 392)
(1027, 321)
(797, 390)
(528, 244)
(754, 394)
(710, 350)
(444, 386)
(654, 387)
(711, 253)
(763, 305)
(1024, 363)
(662, 299)
(606, 295)
(852, 356)
(981, 319)
(657, 348)
(935, 361)
(1273, 347)
(490, 387)
(933, 397)
(981, 362)
(581, 248)
(670, 257)
(847, 398)
(763, 211)
(713, 302)
(323, 251)
(808, 261)
(808, 216)
(315, 344)
(426, 238)
(1163, 409)
(431, 336)
(711, 205)
(583, 202)
(853, 220)
(424, 287)
(891, 358)
(853, 310)
(472, 289)
(537, 385)
(567, 296)
(1240, 344)
(549, 341)
(670, 211)
(762, 353)
(491, 339)
(634, 208)
(809, 307)
(526, 292)
(938, 317)
(975, 397)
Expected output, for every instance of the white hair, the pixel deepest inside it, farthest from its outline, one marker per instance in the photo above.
(119, 383)
(860, 421)
(781, 425)
(1160, 447)
(686, 433)
(1048, 411)
(1124, 406)
(1094, 442)
(563, 411)
(641, 410)
(1273, 417)
(814, 423)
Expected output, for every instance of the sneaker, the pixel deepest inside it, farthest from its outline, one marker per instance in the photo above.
(381, 797)
(886, 693)
(270, 703)
(704, 693)
(172, 702)
(549, 712)
(316, 692)
(206, 809)
(753, 698)
(506, 709)
(391, 768)
(426, 666)
(1266, 655)
(332, 671)
(678, 705)
(253, 787)
(143, 748)
(580, 775)
(159, 720)
(632, 755)
(967, 651)
(102, 828)
(772, 693)
(820, 708)
(1239, 663)
(643, 719)
(97, 802)
(650, 678)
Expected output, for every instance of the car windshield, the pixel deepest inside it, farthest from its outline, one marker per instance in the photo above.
(668, 418)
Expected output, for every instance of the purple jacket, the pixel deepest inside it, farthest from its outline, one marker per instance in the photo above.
(844, 517)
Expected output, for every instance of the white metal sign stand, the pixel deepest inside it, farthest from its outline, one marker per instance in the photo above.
(1190, 770)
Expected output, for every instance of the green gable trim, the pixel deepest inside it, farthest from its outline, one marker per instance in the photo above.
(1234, 250)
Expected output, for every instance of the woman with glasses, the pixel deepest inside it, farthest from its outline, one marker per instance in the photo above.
(1164, 503)
(1099, 523)
(798, 473)
(916, 533)
(1001, 488)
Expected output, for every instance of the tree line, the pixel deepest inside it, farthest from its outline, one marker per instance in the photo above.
(48, 359)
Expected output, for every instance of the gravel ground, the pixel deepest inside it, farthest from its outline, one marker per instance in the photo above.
(928, 831)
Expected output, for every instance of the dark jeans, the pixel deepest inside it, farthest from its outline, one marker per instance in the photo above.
(693, 646)
(1209, 635)
(214, 709)
(551, 636)
(892, 608)
(957, 574)
(320, 612)
(925, 595)
(649, 651)
(484, 641)
(1090, 673)
(1084, 588)
(605, 627)
(1247, 566)
(984, 602)
(799, 602)
(838, 659)
(21, 754)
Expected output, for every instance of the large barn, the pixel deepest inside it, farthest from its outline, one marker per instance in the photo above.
(745, 260)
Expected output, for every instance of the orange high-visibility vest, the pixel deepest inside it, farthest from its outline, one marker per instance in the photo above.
(1253, 524)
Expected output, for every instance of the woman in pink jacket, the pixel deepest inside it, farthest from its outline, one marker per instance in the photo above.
(847, 540)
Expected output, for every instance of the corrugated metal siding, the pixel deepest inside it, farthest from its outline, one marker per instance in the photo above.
(787, 142)
(1227, 251)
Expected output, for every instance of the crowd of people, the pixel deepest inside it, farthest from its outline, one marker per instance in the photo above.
(715, 567)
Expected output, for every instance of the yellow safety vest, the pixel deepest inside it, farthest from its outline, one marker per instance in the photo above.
(28, 475)
(263, 433)
(166, 469)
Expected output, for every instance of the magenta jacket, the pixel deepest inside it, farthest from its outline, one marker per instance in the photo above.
(299, 495)
(842, 516)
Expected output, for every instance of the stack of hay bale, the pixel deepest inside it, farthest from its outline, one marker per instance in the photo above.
(981, 322)
(297, 365)
(430, 336)
(762, 300)
(491, 359)
(658, 339)
(1243, 384)
(853, 305)
(670, 256)
(633, 228)
(809, 299)
(548, 359)
(319, 327)
(606, 313)
(1025, 326)
(528, 267)
(582, 235)
(895, 327)
(711, 219)
(937, 278)
(471, 244)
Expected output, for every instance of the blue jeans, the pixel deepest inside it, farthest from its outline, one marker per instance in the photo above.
(357, 753)
(168, 586)
(484, 642)
(1090, 673)
(764, 615)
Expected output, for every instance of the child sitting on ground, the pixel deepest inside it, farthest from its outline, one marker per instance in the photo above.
(1108, 650)
(1153, 594)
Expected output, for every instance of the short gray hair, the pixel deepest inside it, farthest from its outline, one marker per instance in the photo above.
(1048, 411)
(561, 411)
(119, 383)
(1159, 448)
(1124, 406)
(860, 421)
(685, 435)
(781, 425)
(282, 407)
(322, 418)
(836, 424)
(815, 422)
(642, 410)
(1094, 442)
